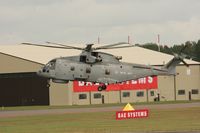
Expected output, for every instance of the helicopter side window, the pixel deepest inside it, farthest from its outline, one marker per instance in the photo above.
(88, 70)
(72, 68)
(107, 72)
(83, 58)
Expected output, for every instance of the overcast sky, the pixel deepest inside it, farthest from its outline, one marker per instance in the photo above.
(82, 21)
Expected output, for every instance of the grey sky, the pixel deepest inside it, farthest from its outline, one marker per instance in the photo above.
(82, 21)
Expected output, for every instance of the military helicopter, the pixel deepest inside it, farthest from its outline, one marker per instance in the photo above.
(99, 67)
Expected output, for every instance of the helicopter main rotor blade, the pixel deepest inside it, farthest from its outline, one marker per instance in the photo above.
(67, 46)
(111, 45)
(87, 48)
(32, 44)
(115, 47)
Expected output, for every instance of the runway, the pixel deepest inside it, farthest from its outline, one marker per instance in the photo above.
(6, 114)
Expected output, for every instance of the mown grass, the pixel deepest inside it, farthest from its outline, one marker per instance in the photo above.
(181, 119)
(88, 106)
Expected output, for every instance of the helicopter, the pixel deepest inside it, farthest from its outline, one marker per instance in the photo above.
(100, 67)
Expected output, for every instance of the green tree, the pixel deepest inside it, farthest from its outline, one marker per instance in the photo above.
(152, 46)
(197, 51)
(192, 49)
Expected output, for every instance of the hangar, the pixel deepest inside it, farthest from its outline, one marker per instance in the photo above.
(20, 85)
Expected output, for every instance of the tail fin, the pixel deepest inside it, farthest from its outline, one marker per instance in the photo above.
(171, 65)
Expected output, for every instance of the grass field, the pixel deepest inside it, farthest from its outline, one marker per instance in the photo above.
(185, 119)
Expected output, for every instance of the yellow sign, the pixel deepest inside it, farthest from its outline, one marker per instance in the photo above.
(128, 107)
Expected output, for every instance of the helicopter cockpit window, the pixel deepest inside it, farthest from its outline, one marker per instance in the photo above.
(51, 65)
(83, 58)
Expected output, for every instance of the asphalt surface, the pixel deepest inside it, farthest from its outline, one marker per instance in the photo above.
(6, 114)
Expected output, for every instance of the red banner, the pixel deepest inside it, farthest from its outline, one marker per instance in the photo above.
(142, 83)
(132, 114)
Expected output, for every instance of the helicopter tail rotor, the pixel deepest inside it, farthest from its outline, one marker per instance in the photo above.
(170, 66)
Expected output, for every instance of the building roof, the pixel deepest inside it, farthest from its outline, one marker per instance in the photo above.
(44, 54)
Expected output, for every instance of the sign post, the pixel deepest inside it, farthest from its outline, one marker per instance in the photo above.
(130, 113)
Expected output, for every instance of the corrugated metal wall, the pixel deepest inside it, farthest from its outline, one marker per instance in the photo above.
(22, 89)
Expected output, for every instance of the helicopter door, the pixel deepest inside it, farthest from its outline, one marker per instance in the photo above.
(60, 70)
(80, 73)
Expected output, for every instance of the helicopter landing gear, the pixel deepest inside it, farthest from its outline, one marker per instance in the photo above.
(102, 87)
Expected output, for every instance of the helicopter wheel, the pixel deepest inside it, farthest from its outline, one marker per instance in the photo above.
(102, 87)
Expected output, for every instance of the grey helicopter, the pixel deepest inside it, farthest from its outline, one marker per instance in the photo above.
(100, 67)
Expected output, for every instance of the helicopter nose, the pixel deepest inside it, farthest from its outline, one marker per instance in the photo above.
(44, 72)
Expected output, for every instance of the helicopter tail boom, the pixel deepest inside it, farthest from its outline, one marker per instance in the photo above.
(171, 65)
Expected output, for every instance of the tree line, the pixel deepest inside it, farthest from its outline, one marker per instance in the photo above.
(192, 49)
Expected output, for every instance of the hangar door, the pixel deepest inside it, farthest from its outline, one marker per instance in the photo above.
(22, 89)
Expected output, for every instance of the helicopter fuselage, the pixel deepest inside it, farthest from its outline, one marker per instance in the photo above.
(96, 67)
